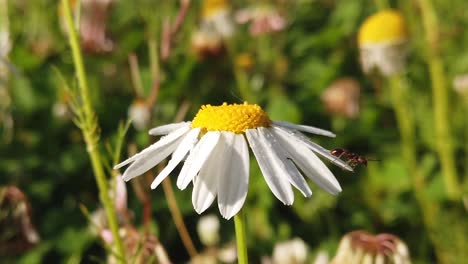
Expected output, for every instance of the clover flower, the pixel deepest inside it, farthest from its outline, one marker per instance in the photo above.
(93, 24)
(342, 97)
(215, 148)
(264, 19)
(362, 247)
(382, 40)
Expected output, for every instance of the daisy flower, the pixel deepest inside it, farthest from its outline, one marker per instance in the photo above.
(383, 43)
(215, 146)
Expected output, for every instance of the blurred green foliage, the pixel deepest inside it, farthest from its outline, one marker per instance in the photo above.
(46, 156)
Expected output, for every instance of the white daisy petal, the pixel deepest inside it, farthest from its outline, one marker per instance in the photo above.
(274, 176)
(197, 157)
(292, 173)
(308, 162)
(184, 147)
(161, 143)
(316, 148)
(233, 182)
(206, 183)
(303, 128)
(149, 158)
(166, 129)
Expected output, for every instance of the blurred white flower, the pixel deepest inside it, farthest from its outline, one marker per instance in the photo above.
(214, 147)
(217, 17)
(322, 257)
(228, 254)
(460, 84)
(290, 252)
(140, 114)
(5, 44)
(206, 42)
(208, 230)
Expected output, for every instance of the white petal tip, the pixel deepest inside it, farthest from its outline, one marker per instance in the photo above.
(200, 210)
(125, 178)
(118, 166)
(335, 191)
(181, 186)
(226, 216)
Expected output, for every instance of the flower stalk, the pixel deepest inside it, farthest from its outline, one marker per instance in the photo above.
(444, 142)
(239, 223)
(407, 130)
(406, 126)
(87, 122)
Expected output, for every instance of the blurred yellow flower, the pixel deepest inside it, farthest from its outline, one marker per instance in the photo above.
(387, 26)
(382, 41)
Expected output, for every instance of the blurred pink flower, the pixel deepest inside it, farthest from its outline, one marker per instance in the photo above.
(264, 20)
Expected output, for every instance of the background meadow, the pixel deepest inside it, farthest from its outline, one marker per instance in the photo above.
(138, 67)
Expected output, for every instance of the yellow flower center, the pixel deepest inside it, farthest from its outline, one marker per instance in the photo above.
(230, 117)
(383, 27)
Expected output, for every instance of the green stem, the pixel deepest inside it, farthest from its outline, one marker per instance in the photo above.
(239, 223)
(406, 126)
(135, 75)
(89, 130)
(440, 100)
(465, 189)
(153, 58)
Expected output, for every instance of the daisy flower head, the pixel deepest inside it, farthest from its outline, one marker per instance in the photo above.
(382, 40)
(215, 146)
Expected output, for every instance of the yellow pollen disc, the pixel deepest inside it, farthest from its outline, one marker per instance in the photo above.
(230, 117)
(383, 27)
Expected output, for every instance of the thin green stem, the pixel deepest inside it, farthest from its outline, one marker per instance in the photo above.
(154, 58)
(465, 188)
(89, 128)
(135, 75)
(178, 219)
(440, 101)
(239, 223)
